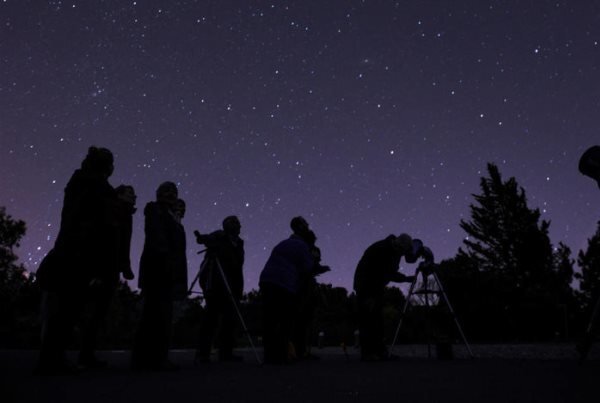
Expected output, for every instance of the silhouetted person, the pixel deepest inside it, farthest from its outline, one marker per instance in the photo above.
(101, 289)
(589, 163)
(179, 210)
(82, 251)
(224, 247)
(162, 279)
(308, 295)
(378, 266)
(280, 283)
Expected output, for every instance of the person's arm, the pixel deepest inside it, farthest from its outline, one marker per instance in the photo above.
(211, 240)
(401, 278)
(392, 265)
(125, 248)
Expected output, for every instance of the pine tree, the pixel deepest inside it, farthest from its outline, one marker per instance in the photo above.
(511, 250)
(12, 279)
(563, 267)
(505, 236)
(11, 232)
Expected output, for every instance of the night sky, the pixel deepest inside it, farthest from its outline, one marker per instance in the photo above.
(366, 117)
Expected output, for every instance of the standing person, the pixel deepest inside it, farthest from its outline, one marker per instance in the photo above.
(82, 251)
(378, 266)
(280, 281)
(162, 279)
(101, 289)
(224, 248)
(309, 292)
(179, 210)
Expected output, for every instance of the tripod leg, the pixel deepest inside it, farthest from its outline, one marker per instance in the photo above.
(462, 335)
(197, 278)
(585, 345)
(428, 324)
(402, 314)
(237, 310)
(194, 281)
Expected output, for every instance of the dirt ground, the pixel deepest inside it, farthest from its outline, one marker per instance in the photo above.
(497, 374)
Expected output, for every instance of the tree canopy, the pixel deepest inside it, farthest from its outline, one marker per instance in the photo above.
(508, 251)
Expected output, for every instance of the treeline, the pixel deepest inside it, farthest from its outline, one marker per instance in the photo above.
(507, 283)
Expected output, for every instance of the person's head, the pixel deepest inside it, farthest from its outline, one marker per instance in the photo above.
(126, 194)
(403, 243)
(299, 225)
(589, 163)
(167, 193)
(419, 250)
(231, 225)
(179, 208)
(98, 161)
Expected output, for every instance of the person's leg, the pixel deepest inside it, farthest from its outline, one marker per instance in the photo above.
(271, 324)
(98, 305)
(227, 332)
(165, 326)
(378, 328)
(300, 327)
(207, 330)
(370, 326)
(51, 354)
(144, 349)
(289, 314)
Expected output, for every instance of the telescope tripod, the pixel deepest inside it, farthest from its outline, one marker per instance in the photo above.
(428, 294)
(233, 300)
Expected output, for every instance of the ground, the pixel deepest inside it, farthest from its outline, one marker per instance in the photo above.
(501, 373)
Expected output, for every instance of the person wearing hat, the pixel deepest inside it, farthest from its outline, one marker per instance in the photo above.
(378, 267)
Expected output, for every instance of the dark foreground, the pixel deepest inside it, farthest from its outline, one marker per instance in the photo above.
(536, 374)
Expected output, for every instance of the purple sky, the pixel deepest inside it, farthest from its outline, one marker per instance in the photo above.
(366, 117)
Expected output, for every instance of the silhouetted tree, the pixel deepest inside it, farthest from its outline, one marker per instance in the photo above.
(589, 278)
(511, 249)
(11, 232)
(13, 276)
(563, 268)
